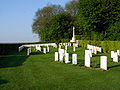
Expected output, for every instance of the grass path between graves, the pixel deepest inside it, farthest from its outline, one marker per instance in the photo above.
(39, 72)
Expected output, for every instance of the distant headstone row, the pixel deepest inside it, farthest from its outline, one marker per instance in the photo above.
(62, 55)
(115, 55)
(34, 45)
(45, 50)
(94, 49)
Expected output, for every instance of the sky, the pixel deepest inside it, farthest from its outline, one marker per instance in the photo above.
(16, 18)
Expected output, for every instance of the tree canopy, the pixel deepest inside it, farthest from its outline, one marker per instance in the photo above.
(93, 19)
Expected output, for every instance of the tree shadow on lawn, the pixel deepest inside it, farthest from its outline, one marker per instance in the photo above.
(3, 81)
(36, 53)
(16, 59)
(114, 66)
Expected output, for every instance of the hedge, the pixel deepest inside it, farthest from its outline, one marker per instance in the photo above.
(107, 46)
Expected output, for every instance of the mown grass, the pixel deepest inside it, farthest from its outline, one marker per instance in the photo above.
(40, 72)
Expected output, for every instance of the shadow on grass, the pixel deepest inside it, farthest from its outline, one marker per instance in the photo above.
(36, 53)
(113, 66)
(16, 59)
(3, 81)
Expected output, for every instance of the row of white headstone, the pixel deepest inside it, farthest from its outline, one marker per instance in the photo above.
(64, 44)
(74, 47)
(115, 55)
(94, 49)
(103, 60)
(39, 45)
(59, 57)
(45, 50)
(69, 44)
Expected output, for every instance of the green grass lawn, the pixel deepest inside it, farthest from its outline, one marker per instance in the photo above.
(40, 72)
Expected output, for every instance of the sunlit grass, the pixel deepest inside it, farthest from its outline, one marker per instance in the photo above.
(40, 72)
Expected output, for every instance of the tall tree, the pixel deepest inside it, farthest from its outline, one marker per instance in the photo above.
(71, 7)
(61, 27)
(96, 16)
(42, 19)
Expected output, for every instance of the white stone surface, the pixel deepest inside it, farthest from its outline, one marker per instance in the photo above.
(61, 57)
(48, 49)
(28, 53)
(87, 57)
(67, 58)
(115, 57)
(118, 52)
(66, 47)
(44, 50)
(95, 50)
(103, 62)
(87, 60)
(20, 48)
(73, 48)
(112, 54)
(74, 58)
(56, 56)
(29, 50)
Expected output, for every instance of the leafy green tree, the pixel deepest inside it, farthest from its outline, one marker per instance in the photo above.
(71, 7)
(96, 16)
(42, 20)
(61, 27)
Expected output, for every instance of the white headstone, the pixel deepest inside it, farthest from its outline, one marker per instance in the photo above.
(73, 48)
(87, 58)
(67, 58)
(118, 52)
(29, 50)
(61, 57)
(28, 53)
(115, 57)
(90, 53)
(74, 58)
(95, 50)
(44, 50)
(56, 56)
(48, 49)
(103, 62)
(60, 46)
(112, 54)
(66, 47)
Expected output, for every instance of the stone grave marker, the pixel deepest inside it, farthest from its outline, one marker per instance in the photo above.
(87, 58)
(61, 57)
(56, 56)
(67, 58)
(118, 52)
(74, 58)
(103, 62)
(73, 48)
(115, 57)
(66, 47)
(112, 54)
(44, 50)
(48, 49)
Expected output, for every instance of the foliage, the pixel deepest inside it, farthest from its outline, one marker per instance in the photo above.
(61, 27)
(42, 19)
(96, 16)
(71, 7)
